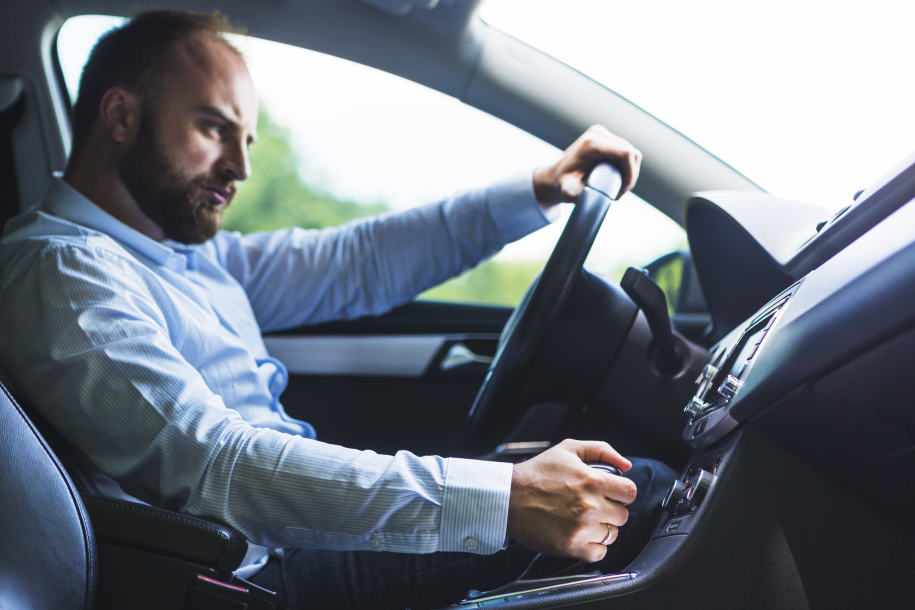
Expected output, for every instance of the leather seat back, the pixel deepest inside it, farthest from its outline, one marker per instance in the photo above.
(47, 546)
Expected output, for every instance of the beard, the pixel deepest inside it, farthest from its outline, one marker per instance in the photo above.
(177, 203)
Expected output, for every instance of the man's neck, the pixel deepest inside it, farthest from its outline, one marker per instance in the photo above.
(101, 184)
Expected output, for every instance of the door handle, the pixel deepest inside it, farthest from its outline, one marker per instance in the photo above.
(460, 354)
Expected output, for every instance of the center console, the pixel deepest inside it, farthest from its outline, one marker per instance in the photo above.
(722, 379)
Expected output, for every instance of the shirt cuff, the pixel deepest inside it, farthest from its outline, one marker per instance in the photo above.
(475, 506)
(514, 208)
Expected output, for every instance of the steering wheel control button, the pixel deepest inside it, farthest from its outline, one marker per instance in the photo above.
(700, 427)
(730, 387)
(700, 487)
(695, 406)
(471, 543)
(673, 497)
(377, 543)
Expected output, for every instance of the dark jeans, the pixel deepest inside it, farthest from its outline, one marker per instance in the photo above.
(316, 579)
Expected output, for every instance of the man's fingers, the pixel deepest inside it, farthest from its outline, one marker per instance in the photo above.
(625, 157)
(598, 451)
(603, 536)
(561, 506)
(617, 493)
(605, 533)
(598, 143)
(590, 544)
(618, 489)
(564, 180)
(572, 186)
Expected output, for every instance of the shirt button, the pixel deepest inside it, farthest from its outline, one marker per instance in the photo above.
(376, 542)
(471, 543)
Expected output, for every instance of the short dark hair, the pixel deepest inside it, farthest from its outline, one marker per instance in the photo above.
(136, 56)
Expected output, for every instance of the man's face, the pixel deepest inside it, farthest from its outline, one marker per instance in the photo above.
(192, 142)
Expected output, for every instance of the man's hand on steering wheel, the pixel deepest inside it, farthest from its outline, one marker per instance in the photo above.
(564, 180)
(560, 506)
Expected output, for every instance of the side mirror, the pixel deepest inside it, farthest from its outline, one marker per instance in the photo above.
(677, 277)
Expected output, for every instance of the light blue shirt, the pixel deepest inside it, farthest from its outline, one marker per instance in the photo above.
(148, 358)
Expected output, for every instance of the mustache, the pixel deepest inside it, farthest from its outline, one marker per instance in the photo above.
(225, 187)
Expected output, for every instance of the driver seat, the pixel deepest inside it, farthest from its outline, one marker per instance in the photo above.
(65, 549)
(48, 556)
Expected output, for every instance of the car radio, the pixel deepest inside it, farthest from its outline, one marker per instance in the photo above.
(721, 379)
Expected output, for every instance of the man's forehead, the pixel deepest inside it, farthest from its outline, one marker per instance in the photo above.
(208, 71)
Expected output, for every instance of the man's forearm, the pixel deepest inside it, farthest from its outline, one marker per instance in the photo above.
(296, 277)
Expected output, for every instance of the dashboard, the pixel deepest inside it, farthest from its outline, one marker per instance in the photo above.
(800, 490)
(824, 368)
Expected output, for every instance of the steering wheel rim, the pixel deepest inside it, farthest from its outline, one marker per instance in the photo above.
(493, 411)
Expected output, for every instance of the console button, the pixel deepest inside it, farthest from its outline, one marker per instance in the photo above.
(539, 594)
(700, 487)
(673, 497)
(695, 406)
(729, 387)
(708, 372)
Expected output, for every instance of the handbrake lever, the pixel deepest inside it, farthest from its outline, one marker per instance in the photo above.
(651, 300)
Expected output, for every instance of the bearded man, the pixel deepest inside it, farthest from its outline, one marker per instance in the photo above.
(133, 325)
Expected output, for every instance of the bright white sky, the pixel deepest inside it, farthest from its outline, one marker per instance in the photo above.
(812, 100)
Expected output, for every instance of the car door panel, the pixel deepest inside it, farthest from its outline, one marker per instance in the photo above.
(404, 380)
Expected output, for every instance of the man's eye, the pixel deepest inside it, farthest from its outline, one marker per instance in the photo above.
(216, 129)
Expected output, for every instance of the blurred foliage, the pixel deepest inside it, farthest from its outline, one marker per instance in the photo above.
(494, 282)
(669, 276)
(275, 196)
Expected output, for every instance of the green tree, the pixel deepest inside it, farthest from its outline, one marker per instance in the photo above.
(275, 196)
(494, 282)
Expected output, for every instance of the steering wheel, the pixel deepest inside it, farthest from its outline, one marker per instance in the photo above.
(497, 408)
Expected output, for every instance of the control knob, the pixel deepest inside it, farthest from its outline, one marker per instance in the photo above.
(702, 482)
(695, 406)
(708, 373)
(694, 494)
(673, 497)
(730, 387)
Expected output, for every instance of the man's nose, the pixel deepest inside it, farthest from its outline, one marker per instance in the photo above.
(236, 162)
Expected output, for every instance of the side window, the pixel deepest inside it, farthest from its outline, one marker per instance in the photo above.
(339, 141)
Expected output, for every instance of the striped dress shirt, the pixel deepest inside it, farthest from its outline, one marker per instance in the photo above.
(148, 358)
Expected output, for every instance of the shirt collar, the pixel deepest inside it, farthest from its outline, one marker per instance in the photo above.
(66, 202)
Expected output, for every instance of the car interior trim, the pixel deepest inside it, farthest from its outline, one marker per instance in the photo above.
(369, 355)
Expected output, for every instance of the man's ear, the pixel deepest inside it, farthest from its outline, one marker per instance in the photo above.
(120, 114)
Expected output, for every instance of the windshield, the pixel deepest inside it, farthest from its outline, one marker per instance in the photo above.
(812, 100)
